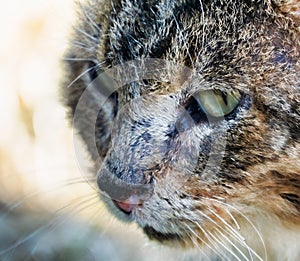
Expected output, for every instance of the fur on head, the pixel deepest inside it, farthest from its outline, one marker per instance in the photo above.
(248, 205)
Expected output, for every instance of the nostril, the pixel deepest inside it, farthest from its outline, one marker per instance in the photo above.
(124, 206)
(128, 205)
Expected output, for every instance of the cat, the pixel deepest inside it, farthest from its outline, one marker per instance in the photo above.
(190, 112)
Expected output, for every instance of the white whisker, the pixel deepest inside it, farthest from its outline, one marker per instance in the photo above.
(78, 59)
(80, 76)
(234, 245)
(92, 23)
(224, 246)
(232, 232)
(56, 221)
(234, 220)
(196, 244)
(70, 182)
(91, 37)
(251, 224)
(203, 241)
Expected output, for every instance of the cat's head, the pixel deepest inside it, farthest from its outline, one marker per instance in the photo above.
(200, 132)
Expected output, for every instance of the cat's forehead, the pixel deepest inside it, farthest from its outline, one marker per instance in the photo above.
(241, 45)
(182, 28)
(228, 45)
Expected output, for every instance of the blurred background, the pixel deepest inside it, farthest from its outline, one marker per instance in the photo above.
(47, 209)
(35, 144)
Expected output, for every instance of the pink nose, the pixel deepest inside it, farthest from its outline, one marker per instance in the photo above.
(128, 205)
(124, 206)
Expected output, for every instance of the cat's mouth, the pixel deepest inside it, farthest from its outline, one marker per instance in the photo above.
(161, 237)
(127, 208)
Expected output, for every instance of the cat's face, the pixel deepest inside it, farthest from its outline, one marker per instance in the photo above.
(209, 141)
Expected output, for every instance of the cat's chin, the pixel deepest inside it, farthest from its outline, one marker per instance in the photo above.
(162, 237)
(268, 243)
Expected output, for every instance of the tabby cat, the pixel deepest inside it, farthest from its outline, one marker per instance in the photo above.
(190, 112)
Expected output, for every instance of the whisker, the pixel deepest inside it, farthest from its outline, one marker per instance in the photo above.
(83, 199)
(95, 215)
(78, 59)
(251, 224)
(232, 232)
(60, 213)
(81, 75)
(60, 222)
(84, 46)
(81, 44)
(216, 247)
(202, 240)
(94, 39)
(92, 23)
(196, 244)
(224, 246)
(234, 245)
(235, 233)
(74, 181)
(234, 220)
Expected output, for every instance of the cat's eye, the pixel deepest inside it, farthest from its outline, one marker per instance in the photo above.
(217, 103)
(208, 106)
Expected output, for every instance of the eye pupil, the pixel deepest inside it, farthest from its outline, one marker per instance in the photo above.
(224, 97)
(114, 99)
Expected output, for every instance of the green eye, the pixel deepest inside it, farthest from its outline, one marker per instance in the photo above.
(217, 103)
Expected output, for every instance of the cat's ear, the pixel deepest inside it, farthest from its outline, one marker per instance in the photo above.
(290, 8)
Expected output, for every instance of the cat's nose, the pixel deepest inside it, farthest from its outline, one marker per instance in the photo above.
(124, 206)
(125, 196)
(127, 206)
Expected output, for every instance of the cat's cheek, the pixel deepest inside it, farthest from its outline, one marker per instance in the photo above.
(278, 139)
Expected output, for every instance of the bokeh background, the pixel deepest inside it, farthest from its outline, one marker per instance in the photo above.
(47, 209)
